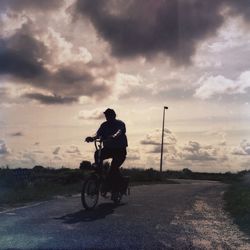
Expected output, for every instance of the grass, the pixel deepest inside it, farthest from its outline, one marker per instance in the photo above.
(237, 203)
(37, 186)
(21, 194)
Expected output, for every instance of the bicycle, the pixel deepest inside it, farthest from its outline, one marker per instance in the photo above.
(96, 183)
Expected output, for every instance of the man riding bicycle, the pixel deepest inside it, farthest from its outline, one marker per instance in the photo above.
(113, 134)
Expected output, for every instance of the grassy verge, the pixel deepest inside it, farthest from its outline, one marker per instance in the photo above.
(21, 194)
(237, 200)
(36, 186)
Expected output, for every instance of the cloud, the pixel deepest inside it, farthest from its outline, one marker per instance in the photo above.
(17, 134)
(26, 57)
(195, 152)
(3, 148)
(73, 150)
(240, 7)
(133, 155)
(57, 158)
(17, 5)
(3, 93)
(146, 28)
(38, 152)
(153, 141)
(219, 85)
(126, 85)
(157, 149)
(56, 151)
(28, 158)
(50, 99)
(155, 138)
(96, 114)
(243, 149)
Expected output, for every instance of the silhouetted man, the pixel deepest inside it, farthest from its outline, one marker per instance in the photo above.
(113, 134)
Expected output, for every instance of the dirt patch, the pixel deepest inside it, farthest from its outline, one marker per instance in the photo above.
(205, 225)
(208, 226)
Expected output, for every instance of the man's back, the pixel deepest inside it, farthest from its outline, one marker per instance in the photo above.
(109, 128)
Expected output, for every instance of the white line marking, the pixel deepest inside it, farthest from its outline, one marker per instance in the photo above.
(18, 208)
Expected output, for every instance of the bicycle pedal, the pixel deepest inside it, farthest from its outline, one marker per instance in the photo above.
(105, 195)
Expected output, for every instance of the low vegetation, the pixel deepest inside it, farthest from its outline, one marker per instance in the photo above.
(18, 186)
(237, 200)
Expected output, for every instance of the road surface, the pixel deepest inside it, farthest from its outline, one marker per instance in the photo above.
(175, 216)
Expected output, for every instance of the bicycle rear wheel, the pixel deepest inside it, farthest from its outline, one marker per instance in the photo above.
(90, 193)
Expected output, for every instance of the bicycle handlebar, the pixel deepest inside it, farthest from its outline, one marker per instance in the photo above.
(100, 141)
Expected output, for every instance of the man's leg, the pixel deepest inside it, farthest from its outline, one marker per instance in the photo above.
(115, 175)
(99, 157)
(105, 154)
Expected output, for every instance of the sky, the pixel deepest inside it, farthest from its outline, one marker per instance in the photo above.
(63, 62)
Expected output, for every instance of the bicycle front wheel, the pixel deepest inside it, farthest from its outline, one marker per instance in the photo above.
(90, 193)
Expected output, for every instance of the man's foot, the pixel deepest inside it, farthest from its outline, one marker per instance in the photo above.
(104, 195)
(116, 197)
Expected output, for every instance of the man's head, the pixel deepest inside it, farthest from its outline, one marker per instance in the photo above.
(109, 114)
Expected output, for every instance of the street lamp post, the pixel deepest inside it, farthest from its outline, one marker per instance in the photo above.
(162, 138)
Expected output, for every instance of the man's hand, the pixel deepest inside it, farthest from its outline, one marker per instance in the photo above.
(89, 139)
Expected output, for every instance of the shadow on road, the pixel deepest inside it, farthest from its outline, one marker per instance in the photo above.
(98, 213)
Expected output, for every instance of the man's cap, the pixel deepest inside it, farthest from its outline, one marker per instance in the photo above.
(109, 112)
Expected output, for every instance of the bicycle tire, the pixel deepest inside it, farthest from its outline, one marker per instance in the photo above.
(90, 193)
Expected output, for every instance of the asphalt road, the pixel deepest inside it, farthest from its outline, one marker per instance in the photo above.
(175, 216)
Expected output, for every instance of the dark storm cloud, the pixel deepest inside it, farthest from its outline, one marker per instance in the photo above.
(240, 7)
(19, 5)
(21, 56)
(172, 27)
(149, 27)
(48, 99)
(25, 59)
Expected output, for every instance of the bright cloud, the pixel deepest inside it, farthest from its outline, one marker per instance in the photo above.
(219, 85)
(243, 149)
(3, 148)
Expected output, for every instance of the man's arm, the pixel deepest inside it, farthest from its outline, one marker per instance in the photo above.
(96, 136)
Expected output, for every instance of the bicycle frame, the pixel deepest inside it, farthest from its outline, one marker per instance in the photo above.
(99, 150)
